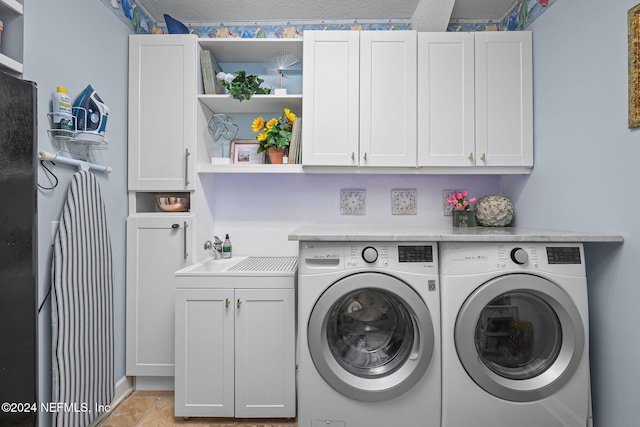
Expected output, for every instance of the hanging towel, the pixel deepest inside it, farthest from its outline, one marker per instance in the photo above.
(82, 307)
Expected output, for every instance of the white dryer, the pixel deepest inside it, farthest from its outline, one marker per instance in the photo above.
(368, 334)
(514, 335)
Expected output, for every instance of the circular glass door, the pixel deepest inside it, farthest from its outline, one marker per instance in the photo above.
(371, 336)
(520, 337)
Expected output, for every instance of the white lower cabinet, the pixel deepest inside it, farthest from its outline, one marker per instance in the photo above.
(235, 353)
(157, 246)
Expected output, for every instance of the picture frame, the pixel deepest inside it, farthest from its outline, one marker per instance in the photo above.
(246, 153)
(633, 29)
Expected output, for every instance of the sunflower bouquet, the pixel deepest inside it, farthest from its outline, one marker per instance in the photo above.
(276, 133)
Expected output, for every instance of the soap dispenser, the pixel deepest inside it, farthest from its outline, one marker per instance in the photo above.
(226, 247)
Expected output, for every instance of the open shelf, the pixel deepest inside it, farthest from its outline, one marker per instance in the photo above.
(249, 50)
(11, 64)
(257, 103)
(11, 13)
(236, 168)
(12, 5)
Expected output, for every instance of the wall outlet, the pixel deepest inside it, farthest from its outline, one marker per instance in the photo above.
(447, 210)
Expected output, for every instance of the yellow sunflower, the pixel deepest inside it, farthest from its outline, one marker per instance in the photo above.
(262, 136)
(257, 124)
(270, 124)
(290, 116)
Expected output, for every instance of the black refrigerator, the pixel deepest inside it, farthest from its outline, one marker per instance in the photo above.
(18, 251)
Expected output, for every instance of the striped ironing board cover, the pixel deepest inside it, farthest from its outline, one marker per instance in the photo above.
(82, 306)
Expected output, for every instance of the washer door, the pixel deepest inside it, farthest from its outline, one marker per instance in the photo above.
(371, 336)
(520, 337)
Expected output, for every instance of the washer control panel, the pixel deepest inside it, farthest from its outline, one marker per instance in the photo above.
(420, 257)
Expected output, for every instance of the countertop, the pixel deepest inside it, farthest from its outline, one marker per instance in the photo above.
(392, 233)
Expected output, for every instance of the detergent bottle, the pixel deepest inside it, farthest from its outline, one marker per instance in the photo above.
(62, 116)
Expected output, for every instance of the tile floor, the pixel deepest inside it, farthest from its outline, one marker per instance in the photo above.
(155, 409)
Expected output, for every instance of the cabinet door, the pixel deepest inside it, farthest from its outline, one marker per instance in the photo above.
(331, 96)
(446, 110)
(156, 248)
(265, 353)
(504, 99)
(204, 328)
(388, 86)
(162, 117)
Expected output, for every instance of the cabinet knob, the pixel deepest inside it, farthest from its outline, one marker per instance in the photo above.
(483, 158)
(470, 156)
(353, 155)
(175, 226)
(239, 303)
(227, 302)
(365, 157)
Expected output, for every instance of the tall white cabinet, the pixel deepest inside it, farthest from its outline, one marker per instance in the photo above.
(359, 101)
(475, 100)
(162, 126)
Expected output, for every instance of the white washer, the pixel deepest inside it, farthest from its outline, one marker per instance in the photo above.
(368, 334)
(514, 335)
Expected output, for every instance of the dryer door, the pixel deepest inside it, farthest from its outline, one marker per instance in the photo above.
(520, 337)
(371, 336)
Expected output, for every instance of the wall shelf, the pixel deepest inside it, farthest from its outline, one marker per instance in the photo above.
(12, 5)
(11, 64)
(11, 13)
(236, 168)
(250, 50)
(257, 103)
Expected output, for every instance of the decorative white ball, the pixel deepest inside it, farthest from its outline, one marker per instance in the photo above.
(494, 211)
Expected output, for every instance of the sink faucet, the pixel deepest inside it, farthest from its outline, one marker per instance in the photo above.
(216, 247)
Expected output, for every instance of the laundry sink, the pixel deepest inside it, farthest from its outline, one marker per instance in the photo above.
(210, 266)
(245, 271)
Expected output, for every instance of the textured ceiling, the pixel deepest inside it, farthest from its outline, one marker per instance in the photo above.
(264, 10)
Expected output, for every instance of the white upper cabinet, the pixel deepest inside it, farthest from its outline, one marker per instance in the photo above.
(359, 103)
(446, 86)
(475, 99)
(504, 99)
(162, 115)
(331, 89)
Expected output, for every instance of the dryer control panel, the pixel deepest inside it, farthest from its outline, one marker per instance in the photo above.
(473, 257)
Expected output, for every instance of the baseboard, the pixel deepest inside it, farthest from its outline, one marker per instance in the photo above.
(122, 390)
(154, 383)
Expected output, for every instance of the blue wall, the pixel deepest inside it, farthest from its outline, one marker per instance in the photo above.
(75, 43)
(586, 177)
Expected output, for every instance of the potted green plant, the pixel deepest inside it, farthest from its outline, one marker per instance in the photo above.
(242, 86)
(274, 135)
